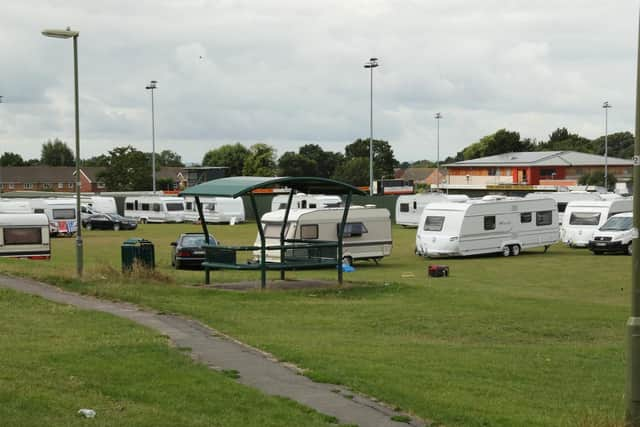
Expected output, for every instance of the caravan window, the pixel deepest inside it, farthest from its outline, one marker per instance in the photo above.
(38, 210)
(309, 231)
(434, 223)
(525, 217)
(189, 206)
(145, 206)
(490, 222)
(64, 213)
(156, 207)
(172, 207)
(562, 206)
(312, 205)
(404, 207)
(333, 205)
(584, 218)
(544, 218)
(415, 204)
(128, 206)
(210, 207)
(282, 206)
(22, 236)
(353, 229)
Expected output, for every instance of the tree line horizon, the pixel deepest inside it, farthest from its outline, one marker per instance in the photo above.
(128, 169)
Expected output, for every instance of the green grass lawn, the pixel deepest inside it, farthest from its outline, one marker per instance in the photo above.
(57, 359)
(534, 340)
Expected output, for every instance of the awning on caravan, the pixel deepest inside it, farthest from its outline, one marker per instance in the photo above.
(225, 257)
(237, 186)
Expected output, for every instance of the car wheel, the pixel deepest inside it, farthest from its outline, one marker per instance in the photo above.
(506, 251)
(630, 249)
(597, 252)
(347, 260)
(88, 226)
(177, 265)
(116, 227)
(515, 250)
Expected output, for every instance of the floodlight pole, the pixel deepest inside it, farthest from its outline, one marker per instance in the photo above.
(65, 34)
(1, 164)
(152, 86)
(438, 116)
(633, 324)
(373, 63)
(606, 107)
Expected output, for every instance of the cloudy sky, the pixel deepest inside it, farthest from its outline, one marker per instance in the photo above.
(290, 72)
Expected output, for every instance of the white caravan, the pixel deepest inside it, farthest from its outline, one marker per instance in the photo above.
(98, 204)
(61, 212)
(616, 235)
(367, 233)
(409, 207)
(563, 198)
(215, 209)
(306, 201)
(505, 226)
(582, 218)
(24, 235)
(15, 206)
(154, 208)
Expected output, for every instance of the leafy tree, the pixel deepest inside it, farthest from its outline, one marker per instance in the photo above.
(32, 162)
(11, 159)
(384, 161)
(127, 170)
(231, 156)
(562, 140)
(326, 161)
(260, 161)
(169, 158)
(292, 164)
(354, 171)
(597, 178)
(56, 153)
(101, 160)
(619, 144)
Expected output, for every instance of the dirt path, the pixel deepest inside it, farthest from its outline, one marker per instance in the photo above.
(256, 369)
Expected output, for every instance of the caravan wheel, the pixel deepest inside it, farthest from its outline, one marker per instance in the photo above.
(506, 251)
(515, 250)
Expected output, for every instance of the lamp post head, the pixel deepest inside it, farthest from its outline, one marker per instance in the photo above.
(152, 84)
(60, 34)
(373, 63)
(606, 104)
(438, 116)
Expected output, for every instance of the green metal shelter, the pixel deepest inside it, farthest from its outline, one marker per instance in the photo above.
(294, 254)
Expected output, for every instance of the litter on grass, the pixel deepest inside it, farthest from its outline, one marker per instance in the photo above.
(87, 413)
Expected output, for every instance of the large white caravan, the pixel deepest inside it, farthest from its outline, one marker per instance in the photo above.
(154, 208)
(306, 201)
(582, 218)
(24, 235)
(367, 232)
(15, 206)
(409, 206)
(63, 220)
(98, 204)
(563, 198)
(506, 226)
(215, 209)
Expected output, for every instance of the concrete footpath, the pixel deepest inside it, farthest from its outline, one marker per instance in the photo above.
(256, 369)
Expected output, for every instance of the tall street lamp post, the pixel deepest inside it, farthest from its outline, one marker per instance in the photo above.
(373, 63)
(606, 107)
(152, 87)
(438, 116)
(65, 34)
(0, 164)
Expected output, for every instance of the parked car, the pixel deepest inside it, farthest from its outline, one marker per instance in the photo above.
(104, 221)
(616, 235)
(188, 250)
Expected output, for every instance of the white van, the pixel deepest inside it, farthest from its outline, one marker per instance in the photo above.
(616, 235)
(215, 209)
(367, 233)
(24, 235)
(99, 204)
(505, 226)
(306, 201)
(582, 219)
(61, 212)
(154, 208)
(409, 206)
(563, 198)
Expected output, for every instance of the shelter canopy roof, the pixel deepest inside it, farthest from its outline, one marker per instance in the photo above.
(237, 186)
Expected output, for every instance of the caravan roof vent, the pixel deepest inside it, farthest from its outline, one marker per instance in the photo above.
(370, 206)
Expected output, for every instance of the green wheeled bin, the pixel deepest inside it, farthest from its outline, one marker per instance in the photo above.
(137, 250)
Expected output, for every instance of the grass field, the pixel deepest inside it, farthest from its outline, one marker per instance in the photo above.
(535, 340)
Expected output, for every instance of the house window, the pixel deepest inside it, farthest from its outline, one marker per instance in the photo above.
(548, 173)
(544, 218)
(12, 186)
(101, 185)
(309, 231)
(46, 186)
(60, 185)
(525, 217)
(70, 185)
(493, 171)
(28, 186)
(490, 222)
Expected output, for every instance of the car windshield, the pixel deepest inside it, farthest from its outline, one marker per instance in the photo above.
(196, 240)
(620, 223)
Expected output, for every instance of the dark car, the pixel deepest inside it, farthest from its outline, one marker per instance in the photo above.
(102, 221)
(188, 250)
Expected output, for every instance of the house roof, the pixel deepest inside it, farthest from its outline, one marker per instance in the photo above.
(55, 174)
(417, 174)
(542, 158)
(236, 186)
